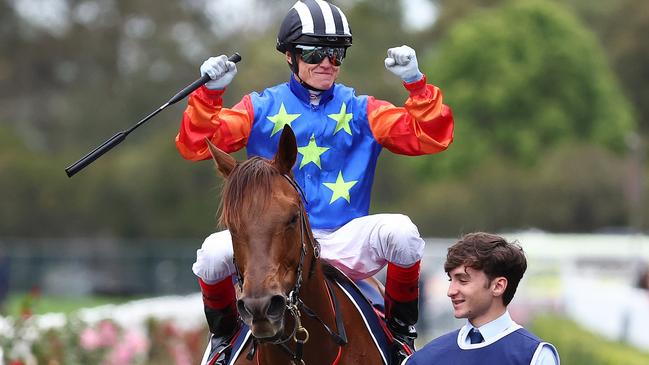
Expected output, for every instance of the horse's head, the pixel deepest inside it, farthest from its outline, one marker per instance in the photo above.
(264, 213)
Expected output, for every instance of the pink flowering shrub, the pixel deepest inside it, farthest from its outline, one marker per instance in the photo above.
(170, 345)
(99, 339)
(101, 343)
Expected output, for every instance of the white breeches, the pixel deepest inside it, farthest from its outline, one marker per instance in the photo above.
(360, 248)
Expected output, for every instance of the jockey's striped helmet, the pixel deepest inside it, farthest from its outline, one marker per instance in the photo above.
(314, 22)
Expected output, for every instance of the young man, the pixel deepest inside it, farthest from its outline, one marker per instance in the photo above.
(484, 271)
(340, 136)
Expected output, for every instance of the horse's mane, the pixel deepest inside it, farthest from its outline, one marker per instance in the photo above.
(247, 188)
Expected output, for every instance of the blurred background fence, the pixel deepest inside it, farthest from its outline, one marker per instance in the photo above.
(84, 267)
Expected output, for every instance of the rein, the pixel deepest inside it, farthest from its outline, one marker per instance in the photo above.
(294, 304)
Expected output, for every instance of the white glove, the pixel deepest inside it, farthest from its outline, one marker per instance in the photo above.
(221, 72)
(402, 61)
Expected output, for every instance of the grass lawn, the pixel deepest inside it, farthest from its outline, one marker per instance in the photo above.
(53, 304)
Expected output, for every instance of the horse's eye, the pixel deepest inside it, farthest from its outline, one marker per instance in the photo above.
(293, 220)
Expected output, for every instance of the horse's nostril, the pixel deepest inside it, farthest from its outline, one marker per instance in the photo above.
(268, 307)
(276, 306)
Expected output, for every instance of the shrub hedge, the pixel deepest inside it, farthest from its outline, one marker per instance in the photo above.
(580, 347)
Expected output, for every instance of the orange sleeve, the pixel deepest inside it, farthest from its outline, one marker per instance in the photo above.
(423, 126)
(205, 117)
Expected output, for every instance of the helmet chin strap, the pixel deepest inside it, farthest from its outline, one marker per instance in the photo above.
(296, 71)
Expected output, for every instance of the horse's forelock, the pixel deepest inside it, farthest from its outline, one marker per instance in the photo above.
(248, 187)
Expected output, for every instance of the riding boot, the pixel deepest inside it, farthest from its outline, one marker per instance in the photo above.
(222, 319)
(401, 318)
(402, 307)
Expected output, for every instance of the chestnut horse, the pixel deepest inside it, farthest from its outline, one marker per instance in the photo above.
(295, 314)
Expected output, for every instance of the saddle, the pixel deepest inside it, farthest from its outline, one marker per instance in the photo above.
(368, 296)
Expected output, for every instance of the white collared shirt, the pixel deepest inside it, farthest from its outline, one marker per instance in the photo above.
(500, 327)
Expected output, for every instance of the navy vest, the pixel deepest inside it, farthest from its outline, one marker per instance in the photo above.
(516, 348)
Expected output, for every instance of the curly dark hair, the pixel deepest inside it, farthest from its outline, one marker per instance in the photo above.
(491, 254)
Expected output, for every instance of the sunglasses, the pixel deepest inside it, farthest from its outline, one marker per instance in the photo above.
(314, 55)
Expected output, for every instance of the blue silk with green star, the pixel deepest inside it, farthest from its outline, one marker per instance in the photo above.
(337, 152)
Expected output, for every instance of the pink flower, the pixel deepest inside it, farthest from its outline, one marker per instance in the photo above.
(180, 354)
(131, 345)
(108, 333)
(121, 355)
(136, 342)
(89, 339)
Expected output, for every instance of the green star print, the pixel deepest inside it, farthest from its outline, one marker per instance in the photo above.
(340, 188)
(342, 120)
(311, 153)
(281, 119)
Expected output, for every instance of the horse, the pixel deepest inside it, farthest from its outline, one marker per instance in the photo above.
(296, 315)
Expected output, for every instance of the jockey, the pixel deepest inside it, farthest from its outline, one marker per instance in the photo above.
(340, 136)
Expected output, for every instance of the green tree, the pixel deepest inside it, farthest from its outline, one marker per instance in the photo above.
(523, 77)
(622, 27)
(566, 192)
(623, 41)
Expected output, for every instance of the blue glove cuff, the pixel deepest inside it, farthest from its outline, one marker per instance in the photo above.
(415, 78)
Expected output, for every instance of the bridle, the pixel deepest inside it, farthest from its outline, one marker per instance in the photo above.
(304, 236)
(294, 304)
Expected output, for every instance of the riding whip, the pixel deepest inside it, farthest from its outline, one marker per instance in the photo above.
(119, 137)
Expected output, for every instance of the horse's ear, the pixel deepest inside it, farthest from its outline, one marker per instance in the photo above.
(287, 151)
(224, 162)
